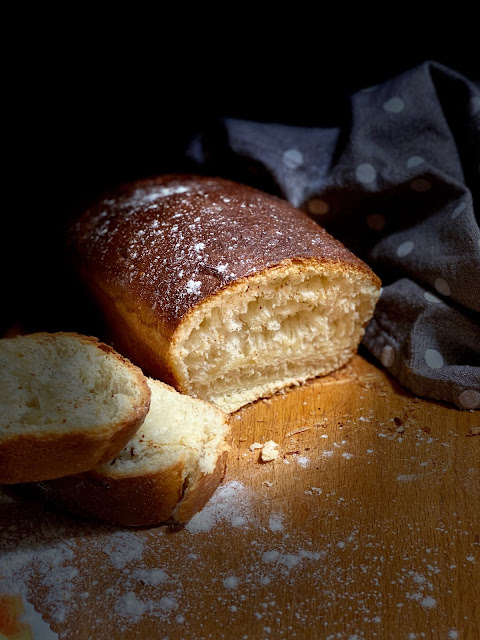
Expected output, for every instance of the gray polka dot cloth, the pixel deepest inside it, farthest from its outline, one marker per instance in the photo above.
(399, 184)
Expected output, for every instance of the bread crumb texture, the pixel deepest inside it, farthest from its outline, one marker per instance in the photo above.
(177, 428)
(268, 450)
(53, 383)
(273, 330)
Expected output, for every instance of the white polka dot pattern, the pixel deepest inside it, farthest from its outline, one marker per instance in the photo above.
(387, 357)
(365, 173)
(414, 161)
(470, 399)
(459, 209)
(292, 158)
(394, 105)
(394, 182)
(433, 358)
(442, 286)
(405, 248)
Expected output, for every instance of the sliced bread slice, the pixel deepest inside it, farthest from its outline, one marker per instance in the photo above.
(68, 402)
(167, 472)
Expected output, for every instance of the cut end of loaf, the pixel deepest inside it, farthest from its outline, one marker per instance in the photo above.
(293, 322)
(63, 381)
(178, 428)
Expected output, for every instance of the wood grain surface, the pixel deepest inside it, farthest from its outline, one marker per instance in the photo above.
(367, 526)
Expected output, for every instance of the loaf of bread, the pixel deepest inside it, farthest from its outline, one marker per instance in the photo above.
(167, 472)
(222, 291)
(67, 403)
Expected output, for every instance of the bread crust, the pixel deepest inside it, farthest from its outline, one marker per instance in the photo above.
(155, 250)
(125, 501)
(135, 500)
(199, 491)
(34, 456)
(204, 230)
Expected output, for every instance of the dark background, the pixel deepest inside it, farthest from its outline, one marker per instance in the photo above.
(83, 118)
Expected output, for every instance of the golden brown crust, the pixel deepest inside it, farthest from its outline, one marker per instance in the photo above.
(201, 486)
(171, 242)
(31, 457)
(199, 491)
(132, 501)
(136, 499)
(134, 330)
(156, 249)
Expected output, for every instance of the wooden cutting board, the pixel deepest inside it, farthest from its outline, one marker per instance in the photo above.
(366, 526)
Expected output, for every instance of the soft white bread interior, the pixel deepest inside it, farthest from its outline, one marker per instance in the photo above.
(272, 330)
(167, 471)
(67, 403)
